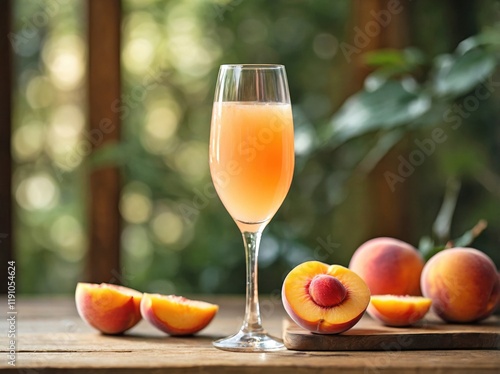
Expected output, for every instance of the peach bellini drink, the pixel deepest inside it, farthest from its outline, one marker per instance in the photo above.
(251, 163)
(252, 166)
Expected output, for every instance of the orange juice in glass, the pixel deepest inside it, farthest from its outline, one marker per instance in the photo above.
(251, 163)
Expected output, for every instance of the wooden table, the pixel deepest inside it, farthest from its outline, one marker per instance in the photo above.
(51, 338)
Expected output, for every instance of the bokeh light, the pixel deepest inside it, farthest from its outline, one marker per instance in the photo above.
(136, 242)
(28, 140)
(64, 57)
(67, 233)
(325, 46)
(37, 192)
(176, 234)
(135, 205)
(64, 136)
(191, 159)
(160, 128)
(167, 226)
(39, 92)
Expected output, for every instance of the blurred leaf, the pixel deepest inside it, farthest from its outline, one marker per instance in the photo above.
(442, 223)
(379, 150)
(463, 157)
(490, 37)
(431, 117)
(386, 107)
(306, 139)
(458, 75)
(407, 58)
(391, 63)
(468, 237)
(428, 248)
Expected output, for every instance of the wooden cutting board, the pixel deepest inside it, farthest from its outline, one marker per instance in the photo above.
(370, 335)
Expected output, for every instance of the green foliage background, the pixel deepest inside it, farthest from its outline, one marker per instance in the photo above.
(177, 237)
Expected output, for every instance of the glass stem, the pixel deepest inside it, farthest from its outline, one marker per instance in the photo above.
(252, 322)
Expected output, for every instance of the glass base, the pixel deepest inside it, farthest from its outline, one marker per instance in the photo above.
(250, 342)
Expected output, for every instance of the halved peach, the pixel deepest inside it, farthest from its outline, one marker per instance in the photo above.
(324, 299)
(394, 310)
(177, 315)
(109, 308)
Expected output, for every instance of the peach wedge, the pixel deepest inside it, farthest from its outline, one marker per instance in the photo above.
(176, 315)
(324, 299)
(393, 310)
(108, 308)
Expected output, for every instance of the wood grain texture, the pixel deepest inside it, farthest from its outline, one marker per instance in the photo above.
(369, 335)
(104, 20)
(53, 339)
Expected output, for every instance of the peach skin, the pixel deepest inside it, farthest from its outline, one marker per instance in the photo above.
(108, 308)
(388, 266)
(463, 284)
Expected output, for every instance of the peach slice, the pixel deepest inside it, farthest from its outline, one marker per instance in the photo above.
(395, 310)
(177, 315)
(108, 308)
(324, 299)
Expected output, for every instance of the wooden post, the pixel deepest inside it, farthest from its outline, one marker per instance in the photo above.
(6, 242)
(103, 259)
(375, 24)
(389, 213)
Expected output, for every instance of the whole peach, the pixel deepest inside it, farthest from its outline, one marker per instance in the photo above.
(388, 266)
(463, 284)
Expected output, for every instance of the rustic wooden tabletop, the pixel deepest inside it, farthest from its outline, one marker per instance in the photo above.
(51, 338)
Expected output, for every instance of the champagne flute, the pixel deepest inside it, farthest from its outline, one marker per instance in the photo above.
(251, 163)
